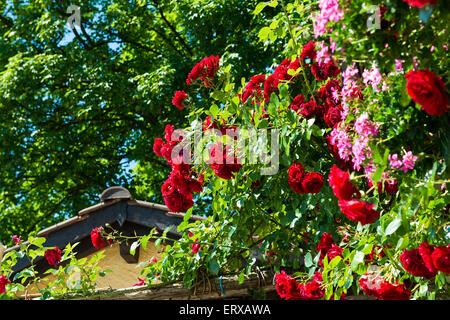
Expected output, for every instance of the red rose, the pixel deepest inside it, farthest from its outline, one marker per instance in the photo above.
(326, 91)
(254, 88)
(168, 132)
(295, 104)
(195, 185)
(332, 116)
(223, 161)
(326, 241)
(53, 256)
(312, 182)
(359, 211)
(324, 71)
(331, 70)
(195, 247)
(3, 282)
(96, 238)
(205, 70)
(420, 3)
(178, 99)
(208, 124)
(270, 86)
(308, 109)
(287, 287)
(308, 51)
(375, 286)
(425, 251)
(428, 90)
(334, 251)
(157, 146)
(441, 258)
(389, 291)
(281, 71)
(341, 185)
(177, 202)
(296, 173)
(413, 263)
(369, 283)
(313, 290)
(387, 186)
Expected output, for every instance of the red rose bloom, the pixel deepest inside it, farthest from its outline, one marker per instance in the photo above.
(428, 90)
(205, 70)
(332, 116)
(324, 71)
(178, 99)
(223, 161)
(176, 202)
(341, 185)
(326, 241)
(425, 251)
(313, 291)
(387, 186)
(389, 291)
(296, 173)
(420, 3)
(270, 86)
(157, 146)
(375, 286)
(359, 211)
(254, 89)
(413, 263)
(287, 287)
(53, 256)
(312, 182)
(441, 258)
(96, 238)
(295, 104)
(3, 282)
(334, 251)
(308, 51)
(281, 72)
(195, 247)
(369, 283)
(308, 109)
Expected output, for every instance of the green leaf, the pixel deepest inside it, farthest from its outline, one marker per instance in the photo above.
(393, 226)
(241, 277)
(260, 7)
(377, 175)
(308, 260)
(214, 110)
(144, 241)
(264, 33)
(334, 262)
(357, 259)
(133, 247)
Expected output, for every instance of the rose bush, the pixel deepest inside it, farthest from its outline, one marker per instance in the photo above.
(362, 110)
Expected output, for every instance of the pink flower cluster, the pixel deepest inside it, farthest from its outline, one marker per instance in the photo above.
(405, 164)
(355, 149)
(329, 11)
(372, 77)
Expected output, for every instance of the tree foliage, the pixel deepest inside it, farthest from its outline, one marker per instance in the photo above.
(78, 107)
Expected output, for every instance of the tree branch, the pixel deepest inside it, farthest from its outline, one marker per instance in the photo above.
(161, 12)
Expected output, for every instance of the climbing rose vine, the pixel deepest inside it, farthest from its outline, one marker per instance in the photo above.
(338, 213)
